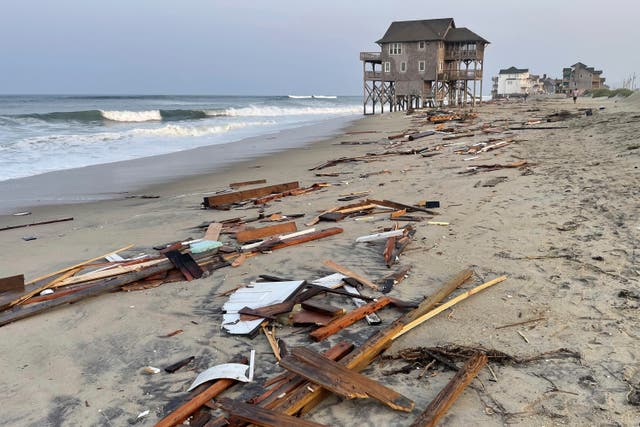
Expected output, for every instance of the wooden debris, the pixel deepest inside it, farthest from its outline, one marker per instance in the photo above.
(419, 320)
(261, 416)
(239, 260)
(340, 269)
(246, 183)
(186, 264)
(341, 380)
(315, 220)
(387, 282)
(213, 231)
(51, 221)
(239, 196)
(175, 366)
(323, 308)
(396, 205)
(271, 339)
(450, 393)
(286, 242)
(373, 318)
(349, 319)
(380, 236)
(419, 135)
(187, 409)
(271, 230)
(306, 317)
(305, 399)
(12, 283)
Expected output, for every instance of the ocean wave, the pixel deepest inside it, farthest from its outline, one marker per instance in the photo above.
(56, 142)
(272, 111)
(129, 116)
(132, 116)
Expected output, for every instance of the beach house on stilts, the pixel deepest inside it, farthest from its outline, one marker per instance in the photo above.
(423, 63)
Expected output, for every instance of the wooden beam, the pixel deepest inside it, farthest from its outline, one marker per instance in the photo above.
(51, 221)
(245, 183)
(349, 319)
(186, 264)
(341, 380)
(396, 205)
(239, 196)
(260, 416)
(271, 230)
(450, 393)
(320, 234)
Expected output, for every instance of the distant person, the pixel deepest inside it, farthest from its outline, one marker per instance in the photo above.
(575, 95)
(526, 95)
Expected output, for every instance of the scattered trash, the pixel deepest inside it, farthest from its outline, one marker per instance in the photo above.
(151, 370)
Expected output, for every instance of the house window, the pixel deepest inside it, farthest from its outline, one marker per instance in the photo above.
(421, 66)
(421, 45)
(387, 67)
(403, 67)
(395, 49)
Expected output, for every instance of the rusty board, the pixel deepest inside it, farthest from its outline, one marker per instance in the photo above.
(239, 196)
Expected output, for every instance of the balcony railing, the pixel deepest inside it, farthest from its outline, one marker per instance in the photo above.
(370, 56)
(373, 75)
(460, 54)
(460, 75)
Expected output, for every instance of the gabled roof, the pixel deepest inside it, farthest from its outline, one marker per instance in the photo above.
(463, 34)
(409, 31)
(514, 70)
(579, 64)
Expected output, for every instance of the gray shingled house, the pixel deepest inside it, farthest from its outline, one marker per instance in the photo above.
(423, 63)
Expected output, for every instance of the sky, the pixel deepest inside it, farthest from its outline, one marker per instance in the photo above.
(259, 47)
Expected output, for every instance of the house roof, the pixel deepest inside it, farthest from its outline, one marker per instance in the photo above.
(426, 29)
(514, 70)
(463, 34)
(579, 64)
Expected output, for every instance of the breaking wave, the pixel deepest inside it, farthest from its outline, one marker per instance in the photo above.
(129, 116)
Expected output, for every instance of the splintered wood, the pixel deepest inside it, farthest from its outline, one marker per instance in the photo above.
(341, 380)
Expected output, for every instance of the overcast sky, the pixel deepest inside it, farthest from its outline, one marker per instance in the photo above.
(284, 47)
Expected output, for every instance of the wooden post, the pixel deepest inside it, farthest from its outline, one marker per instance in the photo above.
(450, 393)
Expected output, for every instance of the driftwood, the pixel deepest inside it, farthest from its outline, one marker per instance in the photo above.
(399, 206)
(51, 221)
(283, 243)
(450, 393)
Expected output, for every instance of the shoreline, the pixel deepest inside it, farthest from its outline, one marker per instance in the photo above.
(114, 180)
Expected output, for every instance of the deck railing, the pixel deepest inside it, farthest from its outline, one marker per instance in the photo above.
(373, 75)
(460, 75)
(460, 54)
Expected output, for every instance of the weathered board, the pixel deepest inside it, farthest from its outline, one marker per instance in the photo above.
(271, 230)
(239, 196)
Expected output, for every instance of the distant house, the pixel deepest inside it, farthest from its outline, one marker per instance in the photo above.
(423, 62)
(516, 82)
(581, 78)
(512, 81)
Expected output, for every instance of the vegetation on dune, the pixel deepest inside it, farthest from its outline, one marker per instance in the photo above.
(599, 93)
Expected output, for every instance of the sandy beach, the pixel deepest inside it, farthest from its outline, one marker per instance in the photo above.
(564, 228)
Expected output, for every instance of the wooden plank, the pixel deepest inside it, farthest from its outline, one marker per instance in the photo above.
(399, 206)
(340, 269)
(213, 231)
(342, 380)
(303, 399)
(261, 416)
(12, 283)
(349, 319)
(102, 286)
(246, 183)
(450, 393)
(421, 319)
(394, 278)
(188, 408)
(186, 264)
(239, 196)
(320, 234)
(305, 317)
(271, 230)
(323, 308)
(51, 221)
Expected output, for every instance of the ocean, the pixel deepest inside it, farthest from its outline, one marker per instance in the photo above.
(40, 134)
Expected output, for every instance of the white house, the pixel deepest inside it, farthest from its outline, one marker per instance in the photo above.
(513, 82)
